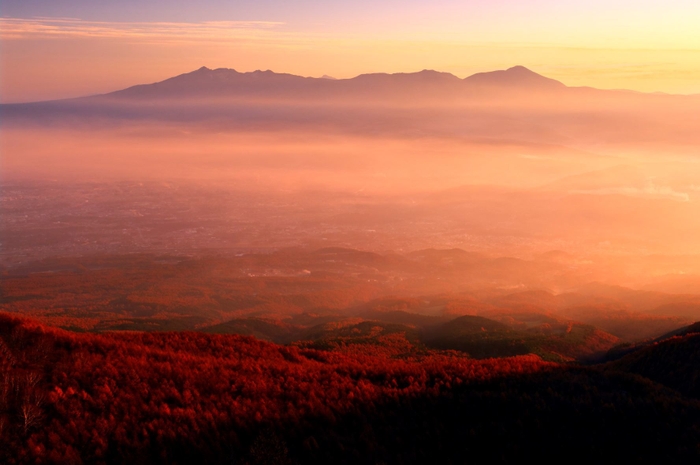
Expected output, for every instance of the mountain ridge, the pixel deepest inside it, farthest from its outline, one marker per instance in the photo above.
(427, 83)
(228, 80)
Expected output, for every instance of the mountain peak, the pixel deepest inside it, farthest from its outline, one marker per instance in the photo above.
(517, 76)
(519, 69)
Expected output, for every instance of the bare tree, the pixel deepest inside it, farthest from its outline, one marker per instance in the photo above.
(30, 415)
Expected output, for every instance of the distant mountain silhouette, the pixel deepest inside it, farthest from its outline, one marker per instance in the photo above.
(206, 82)
(516, 104)
(222, 82)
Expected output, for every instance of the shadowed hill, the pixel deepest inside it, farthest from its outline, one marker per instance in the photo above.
(273, 331)
(674, 362)
(192, 398)
(484, 338)
(626, 349)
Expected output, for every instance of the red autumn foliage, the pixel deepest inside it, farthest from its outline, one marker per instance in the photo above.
(99, 398)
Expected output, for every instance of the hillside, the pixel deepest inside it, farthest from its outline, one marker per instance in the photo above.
(484, 338)
(186, 397)
(673, 362)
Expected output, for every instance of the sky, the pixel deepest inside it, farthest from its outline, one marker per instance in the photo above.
(53, 49)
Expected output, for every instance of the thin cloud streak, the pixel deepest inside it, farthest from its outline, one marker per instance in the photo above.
(650, 191)
(54, 28)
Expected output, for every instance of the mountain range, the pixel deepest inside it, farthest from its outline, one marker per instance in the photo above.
(226, 82)
(516, 104)
(206, 82)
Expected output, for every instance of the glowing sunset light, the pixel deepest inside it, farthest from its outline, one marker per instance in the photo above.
(92, 48)
(349, 232)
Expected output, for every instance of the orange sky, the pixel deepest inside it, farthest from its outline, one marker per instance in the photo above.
(613, 44)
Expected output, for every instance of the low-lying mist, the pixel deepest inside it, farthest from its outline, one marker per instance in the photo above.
(606, 180)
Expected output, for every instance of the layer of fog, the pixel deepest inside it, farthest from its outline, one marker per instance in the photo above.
(605, 178)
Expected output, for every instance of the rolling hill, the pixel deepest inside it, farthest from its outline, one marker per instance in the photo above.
(484, 338)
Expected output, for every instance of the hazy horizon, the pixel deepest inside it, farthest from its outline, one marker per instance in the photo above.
(508, 163)
(475, 74)
(69, 48)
